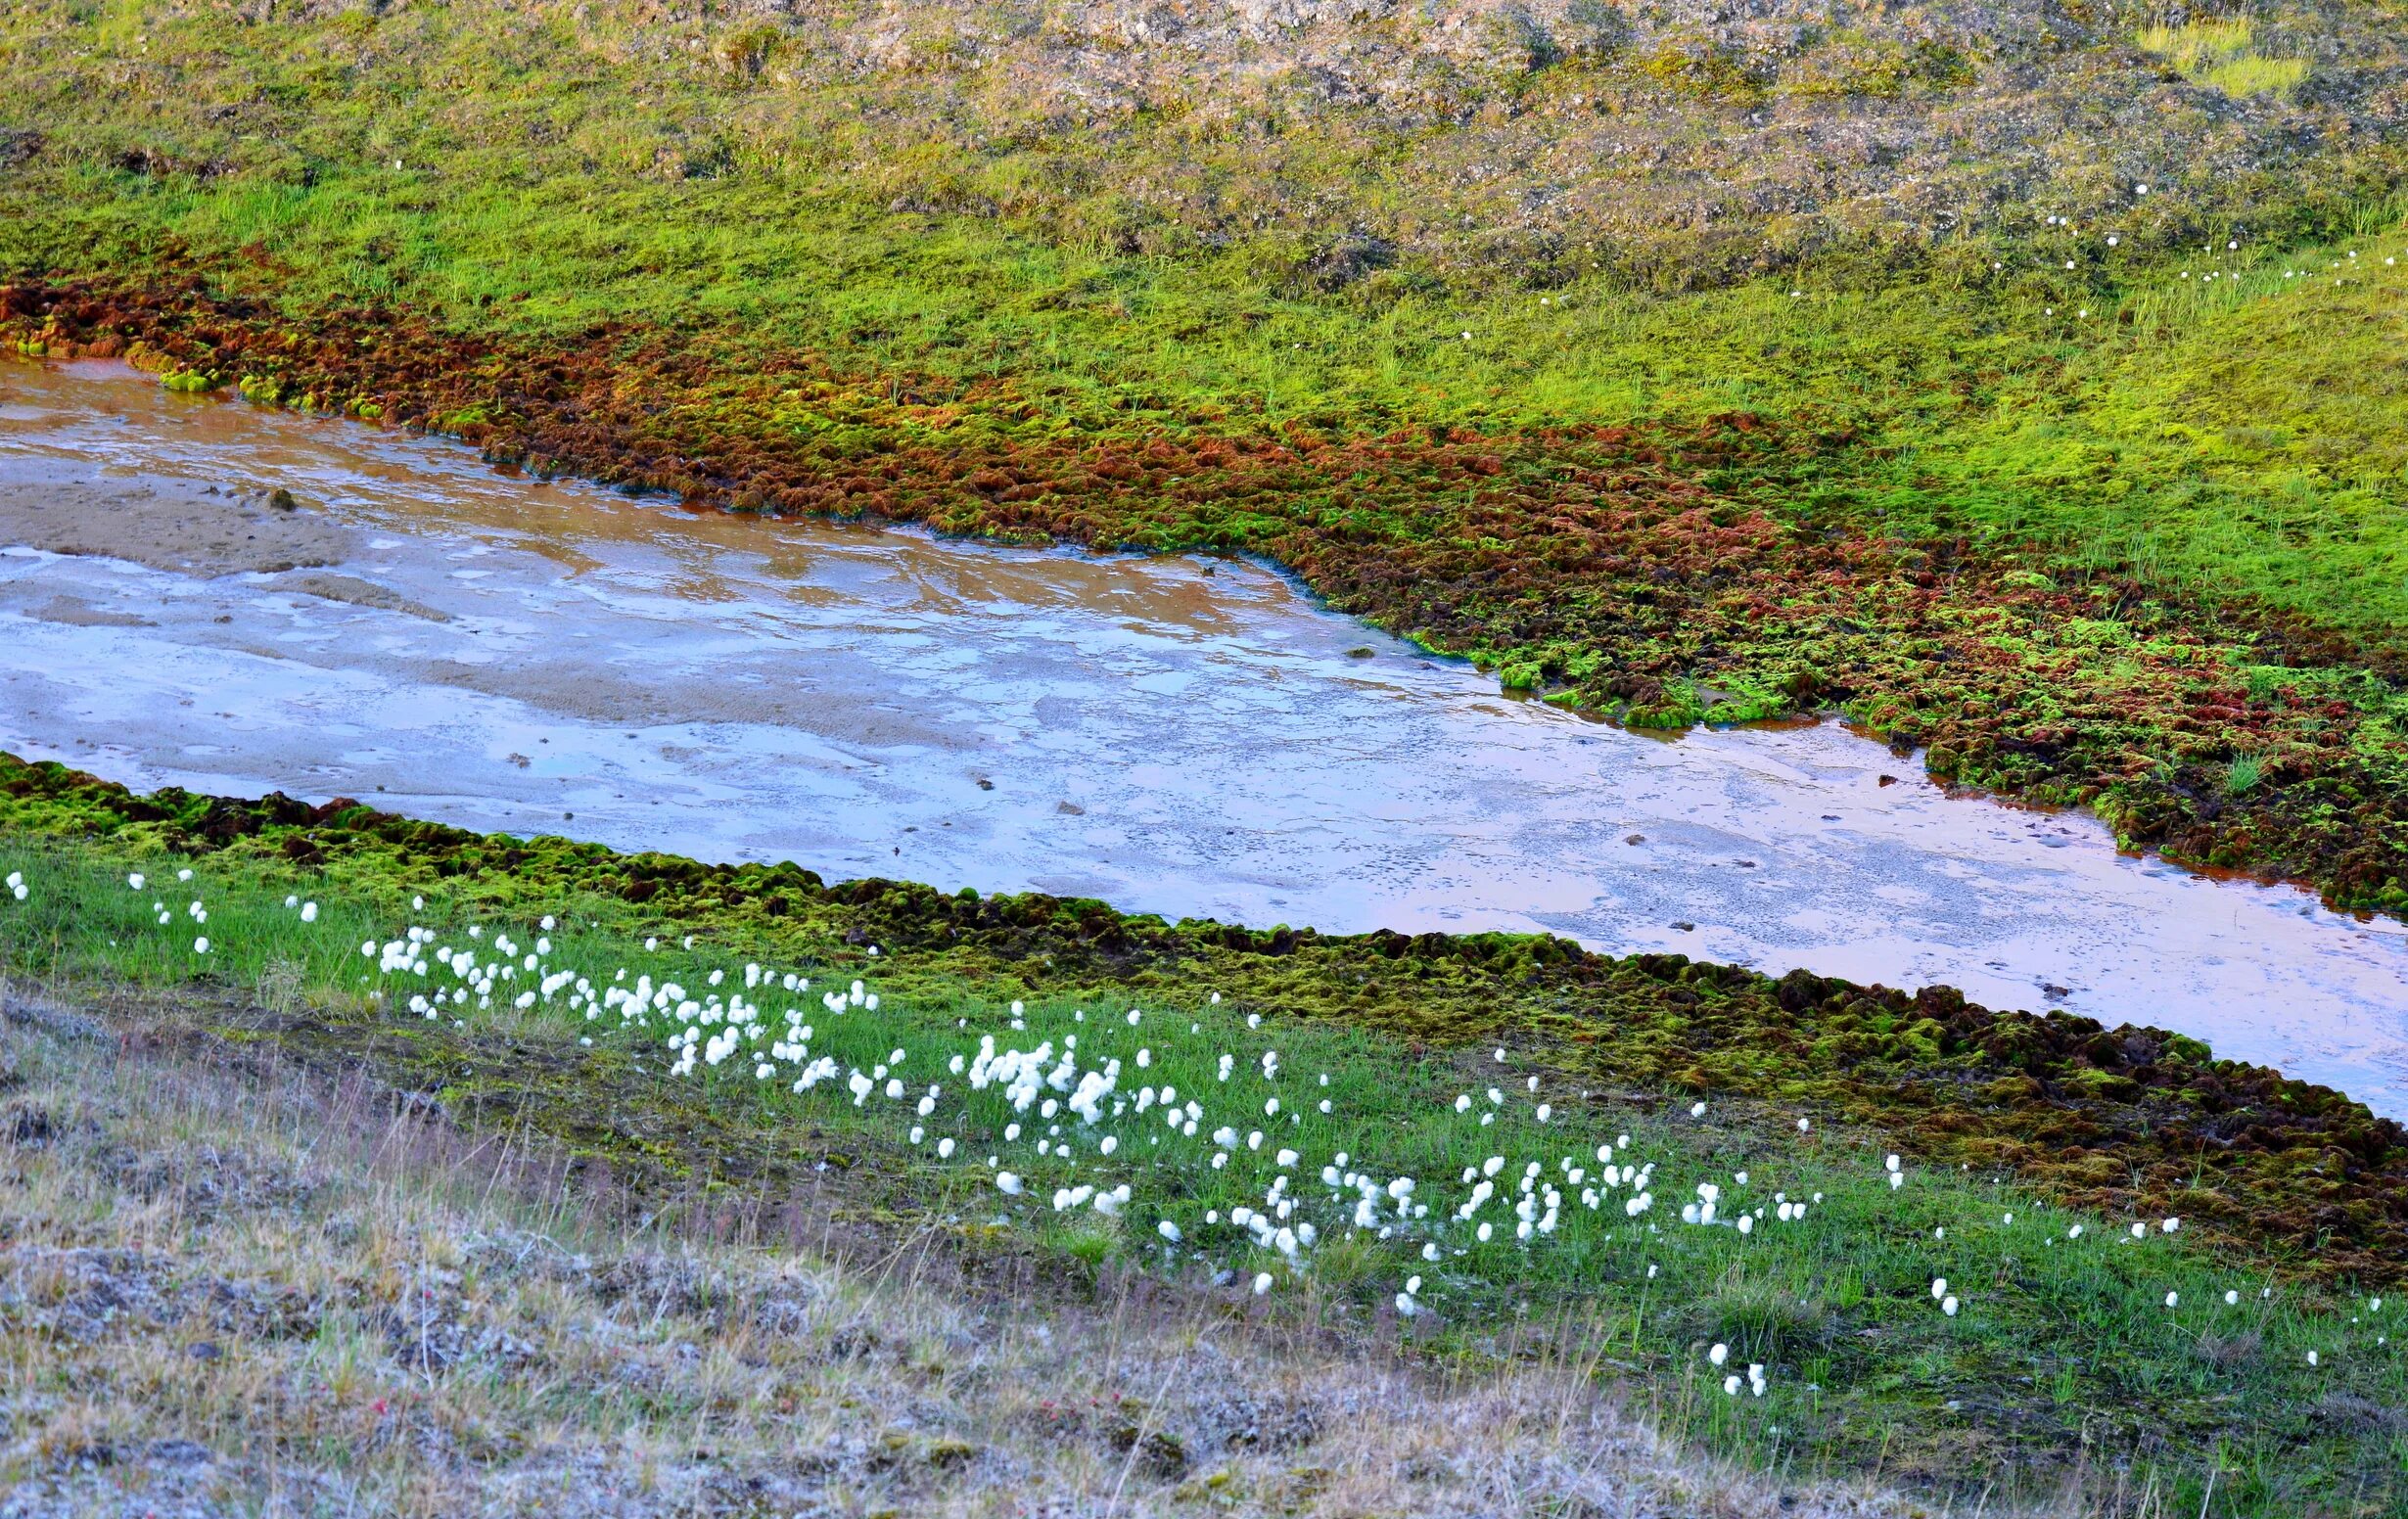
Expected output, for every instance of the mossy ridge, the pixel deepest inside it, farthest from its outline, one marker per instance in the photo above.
(2093, 1117)
(1650, 573)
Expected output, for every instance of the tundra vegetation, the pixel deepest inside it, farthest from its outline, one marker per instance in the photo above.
(2019, 379)
(1812, 1228)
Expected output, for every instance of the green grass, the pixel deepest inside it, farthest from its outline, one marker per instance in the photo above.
(2055, 1335)
(2235, 436)
(2239, 436)
(2220, 54)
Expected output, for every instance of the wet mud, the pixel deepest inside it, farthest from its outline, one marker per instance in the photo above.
(1661, 577)
(506, 654)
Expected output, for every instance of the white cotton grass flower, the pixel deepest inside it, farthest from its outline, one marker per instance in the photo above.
(309, 912)
(1939, 1288)
(135, 881)
(1948, 1305)
(2312, 1358)
(2232, 1297)
(1262, 1283)
(1697, 1110)
(1718, 1355)
(1731, 1385)
(201, 946)
(2170, 1225)
(1007, 1184)
(2172, 1299)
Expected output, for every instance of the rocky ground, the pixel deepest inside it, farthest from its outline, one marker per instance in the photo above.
(1371, 141)
(1684, 142)
(228, 1285)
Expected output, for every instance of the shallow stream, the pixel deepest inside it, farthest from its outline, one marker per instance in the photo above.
(1178, 736)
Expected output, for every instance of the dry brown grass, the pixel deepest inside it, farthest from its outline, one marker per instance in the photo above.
(229, 1290)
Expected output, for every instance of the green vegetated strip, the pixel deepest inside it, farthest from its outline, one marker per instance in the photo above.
(1662, 575)
(2066, 1355)
(2097, 1118)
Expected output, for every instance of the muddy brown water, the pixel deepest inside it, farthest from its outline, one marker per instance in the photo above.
(1170, 735)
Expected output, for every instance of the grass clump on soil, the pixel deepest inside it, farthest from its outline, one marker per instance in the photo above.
(2220, 54)
(1960, 425)
(734, 1033)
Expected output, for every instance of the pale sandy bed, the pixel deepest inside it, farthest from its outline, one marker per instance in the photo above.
(183, 529)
